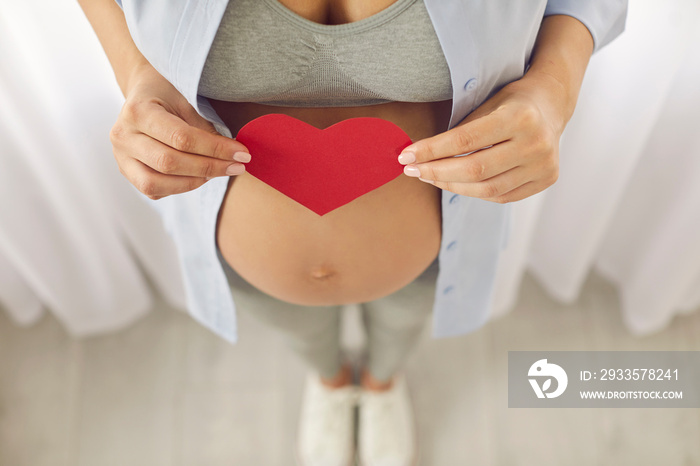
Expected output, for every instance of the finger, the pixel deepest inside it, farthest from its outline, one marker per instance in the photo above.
(157, 185)
(192, 118)
(521, 192)
(490, 188)
(483, 132)
(164, 159)
(477, 166)
(176, 133)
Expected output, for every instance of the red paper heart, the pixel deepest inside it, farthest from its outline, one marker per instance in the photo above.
(323, 169)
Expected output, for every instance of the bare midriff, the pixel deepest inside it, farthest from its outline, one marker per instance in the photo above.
(359, 252)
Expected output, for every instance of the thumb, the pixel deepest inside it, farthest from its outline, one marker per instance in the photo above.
(188, 113)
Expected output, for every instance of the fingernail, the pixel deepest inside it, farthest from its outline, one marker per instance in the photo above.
(426, 181)
(241, 156)
(235, 169)
(411, 171)
(407, 157)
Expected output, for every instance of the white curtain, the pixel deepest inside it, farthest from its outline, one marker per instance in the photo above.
(77, 240)
(627, 201)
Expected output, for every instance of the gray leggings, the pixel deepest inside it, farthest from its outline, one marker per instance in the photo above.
(392, 324)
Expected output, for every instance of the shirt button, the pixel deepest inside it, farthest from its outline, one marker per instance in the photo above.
(448, 289)
(451, 245)
(470, 85)
(454, 198)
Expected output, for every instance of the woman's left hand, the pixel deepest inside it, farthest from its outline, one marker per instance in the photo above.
(511, 144)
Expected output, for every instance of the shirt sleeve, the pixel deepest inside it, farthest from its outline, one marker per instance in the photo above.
(605, 19)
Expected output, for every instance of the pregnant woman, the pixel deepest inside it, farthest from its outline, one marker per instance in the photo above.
(482, 89)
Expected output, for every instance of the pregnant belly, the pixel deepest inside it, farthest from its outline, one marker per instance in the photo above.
(364, 250)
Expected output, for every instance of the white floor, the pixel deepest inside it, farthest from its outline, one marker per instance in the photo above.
(168, 392)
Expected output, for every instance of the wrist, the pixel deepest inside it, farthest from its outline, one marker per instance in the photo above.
(558, 64)
(140, 70)
(137, 71)
(552, 94)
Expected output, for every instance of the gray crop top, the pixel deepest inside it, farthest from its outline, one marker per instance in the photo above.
(263, 52)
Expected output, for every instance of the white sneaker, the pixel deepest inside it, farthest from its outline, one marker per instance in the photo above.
(326, 425)
(387, 434)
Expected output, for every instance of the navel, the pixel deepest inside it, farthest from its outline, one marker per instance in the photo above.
(323, 272)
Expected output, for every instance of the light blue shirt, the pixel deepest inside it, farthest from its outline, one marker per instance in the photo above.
(487, 44)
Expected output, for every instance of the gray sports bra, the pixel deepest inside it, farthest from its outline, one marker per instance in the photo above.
(263, 52)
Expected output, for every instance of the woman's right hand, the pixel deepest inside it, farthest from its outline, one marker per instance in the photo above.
(163, 146)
